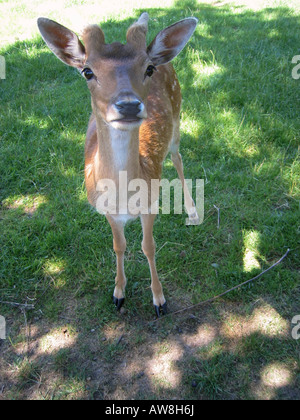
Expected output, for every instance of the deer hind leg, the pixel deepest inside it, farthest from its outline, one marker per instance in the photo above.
(148, 246)
(177, 162)
(119, 243)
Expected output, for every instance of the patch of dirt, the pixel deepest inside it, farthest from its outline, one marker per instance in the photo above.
(178, 357)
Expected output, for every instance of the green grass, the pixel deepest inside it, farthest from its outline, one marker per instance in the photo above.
(240, 133)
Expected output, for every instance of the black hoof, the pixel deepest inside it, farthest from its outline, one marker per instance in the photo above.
(118, 302)
(161, 310)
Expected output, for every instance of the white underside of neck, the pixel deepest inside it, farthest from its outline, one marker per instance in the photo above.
(120, 144)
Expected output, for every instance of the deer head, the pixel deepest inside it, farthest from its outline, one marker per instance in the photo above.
(118, 76)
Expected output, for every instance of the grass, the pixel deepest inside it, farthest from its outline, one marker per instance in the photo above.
(240, 133)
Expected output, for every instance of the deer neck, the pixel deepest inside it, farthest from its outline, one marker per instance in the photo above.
(118, 150)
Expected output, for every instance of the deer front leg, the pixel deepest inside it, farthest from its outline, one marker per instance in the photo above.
(119, 243)
(148, 246)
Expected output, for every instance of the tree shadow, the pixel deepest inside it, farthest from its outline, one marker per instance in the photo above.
(57, 252)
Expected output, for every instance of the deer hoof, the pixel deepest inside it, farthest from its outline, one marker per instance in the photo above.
(118, 302)
(160, 310)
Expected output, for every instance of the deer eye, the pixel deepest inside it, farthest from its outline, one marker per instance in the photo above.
(88, 74)
(150, 70)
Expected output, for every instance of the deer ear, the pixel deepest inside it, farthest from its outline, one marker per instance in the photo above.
(62, 42)
(137, 32)
(170, 41)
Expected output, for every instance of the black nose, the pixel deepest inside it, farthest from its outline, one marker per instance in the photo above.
(129, 109)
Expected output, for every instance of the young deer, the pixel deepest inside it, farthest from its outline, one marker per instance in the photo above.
(136, 102)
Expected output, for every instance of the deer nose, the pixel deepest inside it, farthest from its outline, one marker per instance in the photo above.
(129, 108)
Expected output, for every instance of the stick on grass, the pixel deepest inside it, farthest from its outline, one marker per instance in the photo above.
(229, 290)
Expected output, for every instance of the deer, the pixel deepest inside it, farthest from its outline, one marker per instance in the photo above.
(134, 124)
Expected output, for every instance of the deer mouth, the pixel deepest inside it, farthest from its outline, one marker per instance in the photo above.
(127, 121)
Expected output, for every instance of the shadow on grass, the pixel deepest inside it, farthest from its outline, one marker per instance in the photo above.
(56, 252)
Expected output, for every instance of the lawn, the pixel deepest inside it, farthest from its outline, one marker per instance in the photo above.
(240, 130)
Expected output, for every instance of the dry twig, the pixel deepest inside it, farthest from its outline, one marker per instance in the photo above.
(227, 291)
(22, 306)
(218, 210)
